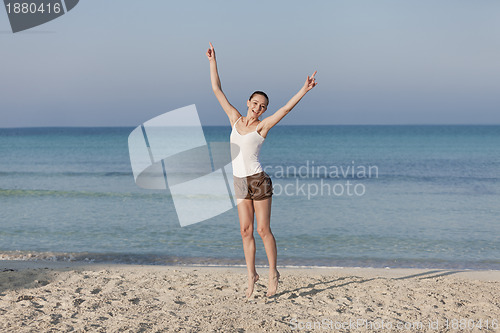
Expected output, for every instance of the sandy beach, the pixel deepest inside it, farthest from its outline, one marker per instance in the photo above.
(63, 297)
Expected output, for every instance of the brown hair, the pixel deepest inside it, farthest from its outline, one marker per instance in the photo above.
(259, 93)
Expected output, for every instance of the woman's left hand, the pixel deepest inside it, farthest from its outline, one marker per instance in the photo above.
(310, 82)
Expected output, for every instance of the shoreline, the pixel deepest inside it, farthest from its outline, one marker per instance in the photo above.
(387, 272)
(170, 260)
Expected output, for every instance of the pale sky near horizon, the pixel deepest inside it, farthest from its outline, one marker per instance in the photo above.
(378, 62)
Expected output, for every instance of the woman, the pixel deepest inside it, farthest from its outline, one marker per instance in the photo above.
(253, 186)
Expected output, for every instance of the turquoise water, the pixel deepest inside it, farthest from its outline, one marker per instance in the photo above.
(420, 196)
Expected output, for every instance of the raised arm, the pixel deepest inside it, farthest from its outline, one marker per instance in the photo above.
(230, 110)
(269, 122)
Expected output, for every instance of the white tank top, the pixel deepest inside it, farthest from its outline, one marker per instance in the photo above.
(246, 162)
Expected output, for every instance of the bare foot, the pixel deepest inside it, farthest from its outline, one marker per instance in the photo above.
(273, 283)
(251, 282)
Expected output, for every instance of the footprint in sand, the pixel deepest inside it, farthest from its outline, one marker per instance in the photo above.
(134, 300)
(78, 301)
(96, 291)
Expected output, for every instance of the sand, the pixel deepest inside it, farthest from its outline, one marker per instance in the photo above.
(64, 297)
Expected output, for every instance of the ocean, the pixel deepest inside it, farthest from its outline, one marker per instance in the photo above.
(346, 196)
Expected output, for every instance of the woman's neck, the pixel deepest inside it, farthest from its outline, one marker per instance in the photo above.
(250, 121)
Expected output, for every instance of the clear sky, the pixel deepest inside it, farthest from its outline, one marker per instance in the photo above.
(120, 63)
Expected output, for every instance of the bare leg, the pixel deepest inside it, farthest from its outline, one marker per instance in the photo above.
(246, 214)
(263, 214)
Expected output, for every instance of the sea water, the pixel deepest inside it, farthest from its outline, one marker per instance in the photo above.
(369, 196)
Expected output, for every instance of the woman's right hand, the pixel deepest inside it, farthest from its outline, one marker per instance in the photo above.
(211, 53)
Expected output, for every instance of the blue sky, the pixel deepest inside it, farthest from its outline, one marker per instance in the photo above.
(120, 63)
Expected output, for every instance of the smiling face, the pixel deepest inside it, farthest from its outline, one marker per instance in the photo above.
(257, 105)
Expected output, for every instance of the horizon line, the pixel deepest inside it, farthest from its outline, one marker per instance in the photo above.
(133, 126)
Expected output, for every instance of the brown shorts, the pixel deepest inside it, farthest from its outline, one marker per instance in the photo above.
(255, 187)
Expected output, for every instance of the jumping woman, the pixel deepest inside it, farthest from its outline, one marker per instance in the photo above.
(253, 187)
